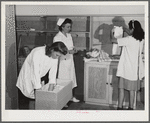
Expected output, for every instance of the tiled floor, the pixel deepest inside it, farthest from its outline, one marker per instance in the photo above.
(84, 106)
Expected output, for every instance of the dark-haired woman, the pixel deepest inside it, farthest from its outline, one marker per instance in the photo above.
(130, 67)
(66, 67)
(36, 65)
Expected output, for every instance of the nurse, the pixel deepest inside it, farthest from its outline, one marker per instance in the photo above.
(36, 65)
(130, 67)
(66, 67)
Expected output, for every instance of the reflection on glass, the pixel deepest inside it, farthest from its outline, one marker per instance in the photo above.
(102, 29)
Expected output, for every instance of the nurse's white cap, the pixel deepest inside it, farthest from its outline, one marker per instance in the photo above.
(60, 21)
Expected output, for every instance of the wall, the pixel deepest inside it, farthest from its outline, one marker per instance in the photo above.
(78, 10)
(11, 63)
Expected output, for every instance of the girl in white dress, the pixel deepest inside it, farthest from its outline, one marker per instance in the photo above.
(36, 65)
(130, 67)
(66, 66)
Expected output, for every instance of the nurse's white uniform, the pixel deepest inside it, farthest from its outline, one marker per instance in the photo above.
(130, 65)
(36, 65)
(66, 67)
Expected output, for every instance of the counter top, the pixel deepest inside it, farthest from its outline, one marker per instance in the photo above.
(100, 60)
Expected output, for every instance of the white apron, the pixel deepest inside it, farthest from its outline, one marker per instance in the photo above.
(66, 66)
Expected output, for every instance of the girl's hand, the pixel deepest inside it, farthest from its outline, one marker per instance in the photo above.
(127, 30)
(51, 87)
(42, 83)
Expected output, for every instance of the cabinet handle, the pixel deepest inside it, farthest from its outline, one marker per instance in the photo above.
(107, 83)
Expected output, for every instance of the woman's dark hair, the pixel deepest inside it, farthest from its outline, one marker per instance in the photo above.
(67, 20)
(58, 47)
(138, 32)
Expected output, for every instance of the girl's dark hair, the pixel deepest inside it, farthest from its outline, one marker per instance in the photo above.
(58, 47)
(138, 32)
(67, 20)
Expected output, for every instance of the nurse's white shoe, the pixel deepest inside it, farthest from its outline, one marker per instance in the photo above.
(75, 100)
(66, 106)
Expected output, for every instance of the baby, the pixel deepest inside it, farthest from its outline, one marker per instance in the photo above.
(25, 50)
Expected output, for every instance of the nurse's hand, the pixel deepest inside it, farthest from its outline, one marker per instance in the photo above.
(63, 57)
(72, 51)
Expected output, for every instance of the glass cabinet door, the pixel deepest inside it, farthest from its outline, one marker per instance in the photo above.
(81, 41)
(49, 37)
(33, 31)
(26, 42)
(101, 37)
(80, 24)
(51, 23)
(30, 22)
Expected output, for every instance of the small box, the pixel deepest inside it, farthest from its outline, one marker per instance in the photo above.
(56, 99)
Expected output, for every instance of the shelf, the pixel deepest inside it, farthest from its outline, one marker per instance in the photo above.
(44, 31)
(32, 30)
